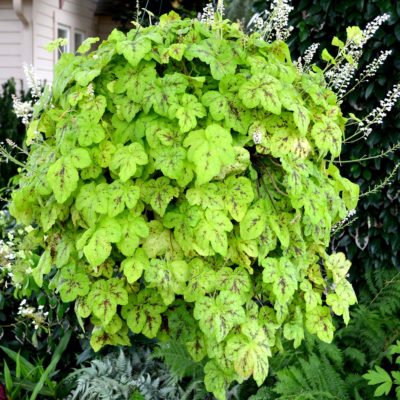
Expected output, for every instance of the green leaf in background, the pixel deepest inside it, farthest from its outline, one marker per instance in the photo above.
(379, 377)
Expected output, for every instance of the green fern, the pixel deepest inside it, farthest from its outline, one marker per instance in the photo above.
(178, 360)
(137, 396)
(263, 394)
(383, 291)
(313, 378)
(182, 366)
(374, 324)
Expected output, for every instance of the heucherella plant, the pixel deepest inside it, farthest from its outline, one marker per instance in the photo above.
(183, 186)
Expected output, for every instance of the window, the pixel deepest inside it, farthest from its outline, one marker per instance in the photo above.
(79, 37)
(64, 32)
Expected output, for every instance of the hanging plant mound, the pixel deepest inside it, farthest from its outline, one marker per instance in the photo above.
(181, 181)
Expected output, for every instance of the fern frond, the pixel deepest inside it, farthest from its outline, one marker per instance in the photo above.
(355, 355)
(331, 352)
(264, 393)
(313, 378)
(382, 291)
(194, 391)
(178, 360)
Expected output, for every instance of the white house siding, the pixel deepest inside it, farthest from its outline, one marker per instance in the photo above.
(77, 15)
(15, 41)
(21, 42)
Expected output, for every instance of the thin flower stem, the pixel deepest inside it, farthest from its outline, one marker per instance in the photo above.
(353, 88)
(387, 283)
(364, 158)
(8, 156)
(340, 227)
(384, 183)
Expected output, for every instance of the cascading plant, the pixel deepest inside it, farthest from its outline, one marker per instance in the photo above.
(182, 185)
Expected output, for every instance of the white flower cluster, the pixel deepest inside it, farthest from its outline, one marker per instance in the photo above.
(32, 81)
(373, 67)
(309, 53)
(11, 143)
(376, 116)
(38, 317)
(258, 23)
(273, 24)
(344, 221)
(22, 109)
(340, 78)
(90, 89)
(303, 63)
(9, 253)
(221, 8)
(280, 20)
(6, 255)
(207, 16)
(372, 27)
(342, 73)
(138, 12)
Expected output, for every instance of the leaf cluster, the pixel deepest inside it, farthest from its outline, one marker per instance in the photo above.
(379, 227)
(183, 189)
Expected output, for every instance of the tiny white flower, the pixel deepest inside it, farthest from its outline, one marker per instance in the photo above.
(207, 16)
(257, 137)
(31, 79)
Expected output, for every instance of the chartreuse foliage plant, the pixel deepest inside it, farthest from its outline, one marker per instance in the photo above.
(181, 179)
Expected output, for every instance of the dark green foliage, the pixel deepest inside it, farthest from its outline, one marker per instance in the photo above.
(386, 380)
(29, 380)
(178, 360)
(375, 322)
(10, 128)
